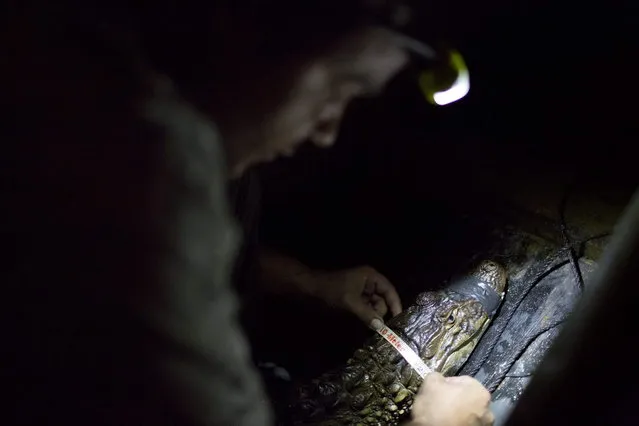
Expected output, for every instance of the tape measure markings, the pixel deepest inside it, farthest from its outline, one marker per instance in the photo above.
(402, 347)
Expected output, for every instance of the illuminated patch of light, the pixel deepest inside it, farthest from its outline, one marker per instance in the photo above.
(460, 88)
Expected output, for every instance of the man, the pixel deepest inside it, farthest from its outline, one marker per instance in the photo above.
(121, 239)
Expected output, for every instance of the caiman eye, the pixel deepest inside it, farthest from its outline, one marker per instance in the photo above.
(447, 317)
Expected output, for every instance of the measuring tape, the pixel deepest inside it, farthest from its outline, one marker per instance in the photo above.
(409, 355)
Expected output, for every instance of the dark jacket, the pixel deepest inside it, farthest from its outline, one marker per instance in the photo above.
(122, 244)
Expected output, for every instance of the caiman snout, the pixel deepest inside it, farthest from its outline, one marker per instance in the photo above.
(486, 284)
(474, 298)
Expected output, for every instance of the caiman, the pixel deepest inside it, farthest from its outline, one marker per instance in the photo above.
(377, 386)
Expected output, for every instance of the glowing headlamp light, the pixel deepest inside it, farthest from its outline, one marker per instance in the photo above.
(446, 83)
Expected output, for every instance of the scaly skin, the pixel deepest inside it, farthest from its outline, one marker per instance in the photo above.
(377, 386)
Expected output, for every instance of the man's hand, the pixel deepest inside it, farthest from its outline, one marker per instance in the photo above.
(362, 291)
(451, 401)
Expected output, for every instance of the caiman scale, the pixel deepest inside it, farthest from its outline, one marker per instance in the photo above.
(377, 386)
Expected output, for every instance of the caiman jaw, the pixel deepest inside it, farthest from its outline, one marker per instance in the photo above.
(462, 315)
(482, 293)
(462, 324)
(452, 361)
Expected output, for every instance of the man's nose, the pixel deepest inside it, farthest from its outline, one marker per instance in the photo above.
(327, 128)
(325, 133)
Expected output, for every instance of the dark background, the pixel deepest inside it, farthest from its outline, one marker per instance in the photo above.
(552, 93)
(552, 99)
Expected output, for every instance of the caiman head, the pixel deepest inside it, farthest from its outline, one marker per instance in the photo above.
(445, 326)
(377, 385)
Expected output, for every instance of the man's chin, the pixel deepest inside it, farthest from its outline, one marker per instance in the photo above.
(236, 171)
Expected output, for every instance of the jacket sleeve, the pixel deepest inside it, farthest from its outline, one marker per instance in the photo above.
(208, 365)
(122, 242)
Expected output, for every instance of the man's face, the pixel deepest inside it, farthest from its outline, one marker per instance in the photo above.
(307, 101)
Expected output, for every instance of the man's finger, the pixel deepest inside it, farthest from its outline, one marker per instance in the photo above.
(430, 379)
(488, 418)
(462, 380)
(379, 305)
(362, 310)
(469, 382)
(384, 288)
